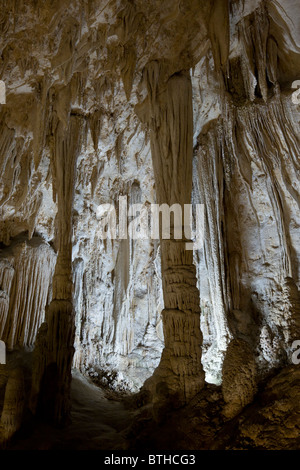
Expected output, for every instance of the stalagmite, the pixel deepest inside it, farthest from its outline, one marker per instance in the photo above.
(13, 408)
(239, 377)
(290, 321)
(54, 356)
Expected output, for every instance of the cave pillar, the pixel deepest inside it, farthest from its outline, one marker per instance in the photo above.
(54, 348)
(170, 120)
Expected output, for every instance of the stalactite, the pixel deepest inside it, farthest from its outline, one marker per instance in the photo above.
(267, 124)
(254, 32)
(266, 142)
(26, 279)
(219, 32)
(128, 68)
(210, 184)
(73, 71)
(6, 278)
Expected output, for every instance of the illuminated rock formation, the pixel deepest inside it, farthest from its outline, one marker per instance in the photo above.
(171, 127)
(172, 102)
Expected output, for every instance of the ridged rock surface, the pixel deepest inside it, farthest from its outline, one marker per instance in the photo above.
(13, 406)
(26, 271)
(238, 377)
(74, 135)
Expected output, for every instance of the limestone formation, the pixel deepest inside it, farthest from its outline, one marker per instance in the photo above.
(174, 102)
(239, 377)
(13, 407)
(171, 127)
(52, 372)
(26, 279)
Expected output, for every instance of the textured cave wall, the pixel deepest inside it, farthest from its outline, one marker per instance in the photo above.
(84, 61)
(27, 268)
(118, 293)
(246, 172)
(62, 60)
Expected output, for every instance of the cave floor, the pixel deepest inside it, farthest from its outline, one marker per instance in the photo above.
(102, 420)
(97, 423)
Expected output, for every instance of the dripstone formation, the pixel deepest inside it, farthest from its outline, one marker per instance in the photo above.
(170, 103)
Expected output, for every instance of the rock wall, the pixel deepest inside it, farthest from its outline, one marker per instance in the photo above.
(246, 172)
(26, 270)
(78, 69)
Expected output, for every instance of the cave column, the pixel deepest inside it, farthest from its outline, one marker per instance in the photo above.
(171, 133)
(55, 341)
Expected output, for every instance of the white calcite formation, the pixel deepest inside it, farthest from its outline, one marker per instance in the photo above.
(26, 270)
(162, 102)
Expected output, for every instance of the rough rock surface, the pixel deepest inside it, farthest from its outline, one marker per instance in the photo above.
(26, 270)
(103, 421)
(271, 422)
(239, 377)
(160, 102)
(13, 406)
